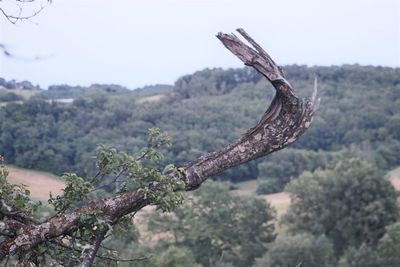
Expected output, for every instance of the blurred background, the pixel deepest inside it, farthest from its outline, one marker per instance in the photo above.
(76, 74)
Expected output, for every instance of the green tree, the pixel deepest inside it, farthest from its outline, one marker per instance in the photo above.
(288, 164)
(351, 204)
(219, 227)
(175, 257)
(364, 256)
(299, 250)
(389, 246)
(385, 253)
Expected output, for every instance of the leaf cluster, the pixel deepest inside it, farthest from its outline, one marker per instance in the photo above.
(14, 197)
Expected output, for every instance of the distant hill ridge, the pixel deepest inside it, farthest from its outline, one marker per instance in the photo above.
(359, 113)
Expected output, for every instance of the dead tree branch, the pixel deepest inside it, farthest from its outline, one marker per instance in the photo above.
(283, 122)
(17, 15)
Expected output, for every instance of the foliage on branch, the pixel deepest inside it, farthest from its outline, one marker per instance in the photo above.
(118, 172)
(76, 190)
(14, 197)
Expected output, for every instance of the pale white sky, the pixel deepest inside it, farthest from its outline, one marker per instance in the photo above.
(136, 43)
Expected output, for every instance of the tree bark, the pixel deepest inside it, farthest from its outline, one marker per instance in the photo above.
(283, 122)
(88, 255)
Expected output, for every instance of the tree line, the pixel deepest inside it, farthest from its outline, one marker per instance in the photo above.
(204, 110)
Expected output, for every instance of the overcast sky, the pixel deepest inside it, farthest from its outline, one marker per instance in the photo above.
(137, 43)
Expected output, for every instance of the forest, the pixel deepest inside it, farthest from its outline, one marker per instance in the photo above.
(359, 114)
(343, 212)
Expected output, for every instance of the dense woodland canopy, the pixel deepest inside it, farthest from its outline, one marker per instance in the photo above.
(359, 113)
(343, 212)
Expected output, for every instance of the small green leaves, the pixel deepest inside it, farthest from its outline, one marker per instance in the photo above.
(157, 138)
(118, 172)
(169, 168)
(169, 201)
(142, 173)
(15, 196)
(107, 159)
(76, 190)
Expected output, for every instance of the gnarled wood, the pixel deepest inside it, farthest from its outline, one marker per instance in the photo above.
(283, 122)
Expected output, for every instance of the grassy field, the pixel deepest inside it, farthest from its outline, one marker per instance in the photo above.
(394, 173)
(394, 177)
(152, 98)
(280, 201)
(39, 183)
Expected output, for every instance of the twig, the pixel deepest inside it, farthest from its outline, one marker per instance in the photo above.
(99, 256)
(113, 181)
(89, 254)
(14, 19)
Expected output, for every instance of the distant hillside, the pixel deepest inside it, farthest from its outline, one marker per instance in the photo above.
(359, 113)
(15, 85)
(153, 90)
(65, 91)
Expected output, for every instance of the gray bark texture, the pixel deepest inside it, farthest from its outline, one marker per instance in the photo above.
(284, 121)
